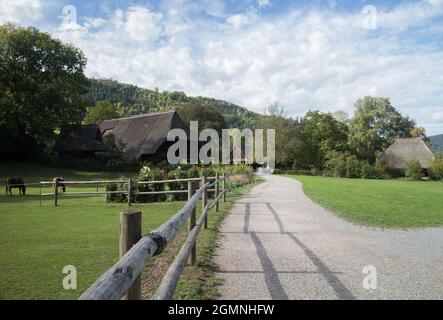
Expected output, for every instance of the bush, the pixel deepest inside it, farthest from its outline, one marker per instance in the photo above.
(436, 169)
(367, 171)
(414, 171)
(353, 168)
(336, 164)
(240, 175)
(380, 170)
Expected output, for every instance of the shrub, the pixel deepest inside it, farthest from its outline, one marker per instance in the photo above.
(380, 170)
(367, 171)
(436, 169)
(336, 164)
(240, 175)
(353, 168)
(414, 170)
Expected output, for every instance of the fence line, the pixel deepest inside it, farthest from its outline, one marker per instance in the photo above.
(122, 277)
(129, 184)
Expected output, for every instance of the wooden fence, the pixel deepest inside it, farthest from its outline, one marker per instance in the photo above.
(130, 185)
(123, 279)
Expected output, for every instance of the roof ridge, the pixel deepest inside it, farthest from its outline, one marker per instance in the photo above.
(145, 115)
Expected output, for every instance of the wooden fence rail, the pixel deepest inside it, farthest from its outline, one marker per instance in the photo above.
(123, 277)
(129, 185)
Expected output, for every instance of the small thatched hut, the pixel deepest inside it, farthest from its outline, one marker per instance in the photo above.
(404, 151)
(83, 142)
(142, 137)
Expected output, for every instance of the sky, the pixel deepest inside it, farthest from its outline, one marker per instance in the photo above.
(319, 55)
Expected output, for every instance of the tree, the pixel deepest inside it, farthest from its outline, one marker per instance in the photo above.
(322, 134)
(288, 137)
(41, 84)
(103, 110)
(207, 116)
(375, 126)
(418, 132)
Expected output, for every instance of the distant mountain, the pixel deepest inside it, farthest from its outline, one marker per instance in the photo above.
(437, 143)
(134, 100)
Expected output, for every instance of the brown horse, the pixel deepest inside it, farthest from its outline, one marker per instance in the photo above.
(15, 183)
(60, 183)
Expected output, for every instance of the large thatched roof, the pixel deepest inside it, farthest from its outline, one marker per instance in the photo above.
(83, 139)
(142, 135)
(403, 151)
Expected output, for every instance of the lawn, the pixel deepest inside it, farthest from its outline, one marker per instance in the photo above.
(398, 204)
(36, 242)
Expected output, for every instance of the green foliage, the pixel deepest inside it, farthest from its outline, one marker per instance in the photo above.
(103, 110)
(41, 85)
(207, 116)
(436, 169)
(414, 170)
(375, 126)
(345, 165)
(437, 143)
(288, 139)
(367, 171)
(239, 176)
(336, 164)
(134, 100)
(322, 134)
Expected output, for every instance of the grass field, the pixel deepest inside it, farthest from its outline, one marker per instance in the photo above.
(37, 242)
(380, 203)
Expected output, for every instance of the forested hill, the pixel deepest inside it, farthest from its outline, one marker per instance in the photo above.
(437, 143)
(134, 100)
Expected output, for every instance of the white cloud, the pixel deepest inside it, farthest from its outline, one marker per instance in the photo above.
(20, 11)
(263, 3)
(243, 19)
(304, 59)
(142, 25)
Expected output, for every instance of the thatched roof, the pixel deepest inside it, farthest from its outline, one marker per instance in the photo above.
(83, 139)
(403, 151)
(141, 135)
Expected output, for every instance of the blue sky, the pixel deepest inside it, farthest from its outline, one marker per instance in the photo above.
(320, 54)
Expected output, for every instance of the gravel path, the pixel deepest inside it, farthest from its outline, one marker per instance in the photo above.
(278, 244)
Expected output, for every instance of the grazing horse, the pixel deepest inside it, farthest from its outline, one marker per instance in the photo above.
(15, 183)
(60, 183)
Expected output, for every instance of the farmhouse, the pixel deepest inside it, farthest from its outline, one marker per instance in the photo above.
(403, 151)
(83, 142)
(142, 137)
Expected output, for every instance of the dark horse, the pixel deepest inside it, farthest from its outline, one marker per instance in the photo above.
(15, 183)
(60, 183)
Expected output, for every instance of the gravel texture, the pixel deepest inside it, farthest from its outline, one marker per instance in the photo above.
(278, 244)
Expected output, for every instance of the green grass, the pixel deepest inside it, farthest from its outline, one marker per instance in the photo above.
(397, 204)
(36, 242)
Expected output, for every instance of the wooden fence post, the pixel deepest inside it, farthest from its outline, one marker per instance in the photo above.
(55, 191)
(40, 194)
(224, 186)
(205, 200)
(129, 191)
(130, 234)
(192, 221)
(217, 192)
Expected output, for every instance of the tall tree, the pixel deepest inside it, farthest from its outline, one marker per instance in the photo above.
(322, 134)
(207, 116)
(41, 83)
(103, 110)
(288, 137)
(375, 126)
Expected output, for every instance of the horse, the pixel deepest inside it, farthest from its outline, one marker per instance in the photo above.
(60, 183)
(15, 183)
